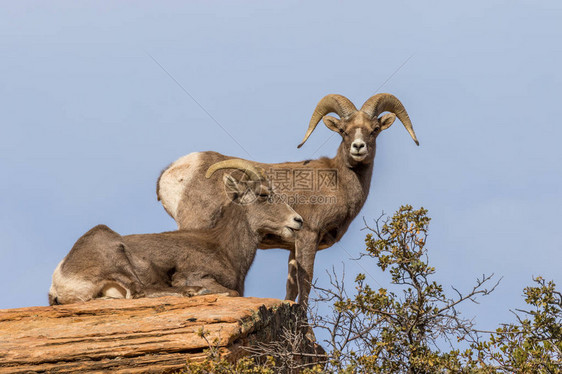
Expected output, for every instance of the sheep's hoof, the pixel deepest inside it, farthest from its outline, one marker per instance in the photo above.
(192, 291)
(229, 293)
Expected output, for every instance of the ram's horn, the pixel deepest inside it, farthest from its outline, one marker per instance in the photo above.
(384, 102)
(329, 104)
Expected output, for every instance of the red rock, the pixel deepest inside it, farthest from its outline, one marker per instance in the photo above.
(142, 335)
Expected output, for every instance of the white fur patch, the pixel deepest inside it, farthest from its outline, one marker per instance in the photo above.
(71, 289)
(358, 135)
(175, 178)
(113, 290)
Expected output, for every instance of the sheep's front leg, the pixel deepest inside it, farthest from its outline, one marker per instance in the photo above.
(292, 286)
(211, 286)
(205, 283)
(306, 245)
(173, 291)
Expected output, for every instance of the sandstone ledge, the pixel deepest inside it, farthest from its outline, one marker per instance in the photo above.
(134, 336)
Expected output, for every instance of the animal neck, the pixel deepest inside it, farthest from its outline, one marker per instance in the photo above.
(350, 172)
(238, 239)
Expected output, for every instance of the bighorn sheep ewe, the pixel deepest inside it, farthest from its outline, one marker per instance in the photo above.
(103, 263)
(327, 192)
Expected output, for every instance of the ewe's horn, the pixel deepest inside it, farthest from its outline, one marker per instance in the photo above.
(385, 102)
(251, 171)
(329, 104)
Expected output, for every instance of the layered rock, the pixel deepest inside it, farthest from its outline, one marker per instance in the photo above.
(141, 335)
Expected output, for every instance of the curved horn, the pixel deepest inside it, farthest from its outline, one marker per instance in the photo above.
(384, 102)
(251, 171)
(330, 103)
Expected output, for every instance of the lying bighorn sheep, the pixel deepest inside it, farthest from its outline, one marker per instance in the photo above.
(328, 193)
(103, 263)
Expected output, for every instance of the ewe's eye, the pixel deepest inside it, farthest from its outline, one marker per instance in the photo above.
(264, 195)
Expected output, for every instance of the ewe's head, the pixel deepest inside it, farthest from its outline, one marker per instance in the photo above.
(266, 212)
(359, 128)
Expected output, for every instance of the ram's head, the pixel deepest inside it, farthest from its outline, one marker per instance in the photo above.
(359, 128)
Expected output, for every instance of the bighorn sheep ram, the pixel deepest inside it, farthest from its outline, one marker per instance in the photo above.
(104, 264)
(327, 192)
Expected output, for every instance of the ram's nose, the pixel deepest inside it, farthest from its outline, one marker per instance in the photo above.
(358, 145)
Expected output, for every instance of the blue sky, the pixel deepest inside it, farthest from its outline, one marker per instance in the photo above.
(88, 120)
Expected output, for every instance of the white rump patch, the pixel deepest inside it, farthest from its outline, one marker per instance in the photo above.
(71, 289)
(175, 178)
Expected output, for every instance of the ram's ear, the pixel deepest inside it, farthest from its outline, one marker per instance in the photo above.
(387, 120)
(332, 123)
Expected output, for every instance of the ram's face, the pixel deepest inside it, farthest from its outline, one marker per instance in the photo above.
(359, 134)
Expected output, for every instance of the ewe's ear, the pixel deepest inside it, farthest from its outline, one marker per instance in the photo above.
(232, 186)
(332, 123)
(387, 120)
(240, 191)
